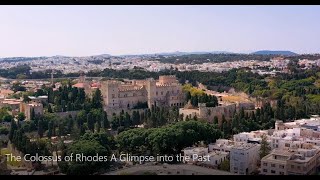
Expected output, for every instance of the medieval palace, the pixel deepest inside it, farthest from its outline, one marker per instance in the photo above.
(166, 91)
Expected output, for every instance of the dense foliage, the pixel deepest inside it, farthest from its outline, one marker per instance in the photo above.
(167, 140)
(213, 58)
(154, 117)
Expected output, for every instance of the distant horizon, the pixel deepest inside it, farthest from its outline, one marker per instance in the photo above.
(77, 31)
(157, 53)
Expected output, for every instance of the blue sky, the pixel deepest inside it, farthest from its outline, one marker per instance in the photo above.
(92, 30)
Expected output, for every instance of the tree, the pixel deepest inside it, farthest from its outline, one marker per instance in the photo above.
(265, 147)
(49, 109)
(98, 126)
(195, 118)
(17, 87)
(32, 114)
(4, 130)
(226, 129)
(105, 121)
(188, 95)
(61, 129)
(170, 139)
(127, 120)
(225, 165)
(7, 118)
(21, 116)
(13, 128)
(87, 148)
(40, 128)
(26, 98)
(50, 129)
(215, 120)
(97, 99)
(90, 122)
(135, 118)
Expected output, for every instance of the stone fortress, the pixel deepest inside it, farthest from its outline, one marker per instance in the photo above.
(164, 92)
(127, 95)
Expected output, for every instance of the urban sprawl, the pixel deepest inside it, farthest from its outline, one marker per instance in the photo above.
(251, 120)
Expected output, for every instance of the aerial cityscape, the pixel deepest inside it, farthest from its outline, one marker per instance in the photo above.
(131, 90)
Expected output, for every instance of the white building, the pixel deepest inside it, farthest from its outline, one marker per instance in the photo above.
(216, 158)
(253, 136)
(244, 158)
(303, 160)
(223, 145)
(193, 152)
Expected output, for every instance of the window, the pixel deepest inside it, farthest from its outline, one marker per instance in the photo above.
(178, 91)
(157, 93)
(281, 166)
(292, 166)
(273, 165)
(273, 171)
(298, 167)
(265, 164)
(281, 173)
(265, 170)
(161, 93)
(113, 96)
(287, 145)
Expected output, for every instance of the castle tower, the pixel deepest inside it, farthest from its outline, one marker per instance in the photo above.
(110, 91)
(151, 89)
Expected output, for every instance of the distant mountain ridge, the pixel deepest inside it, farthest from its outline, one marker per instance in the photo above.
(195, 52)
(180, 53)
(176, 53)
(268, 52)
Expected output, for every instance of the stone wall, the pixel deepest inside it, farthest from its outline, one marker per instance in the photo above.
(208, 113)
(66, 114)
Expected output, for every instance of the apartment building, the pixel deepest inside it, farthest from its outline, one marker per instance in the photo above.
(244, 158)
(291, 161)
(216, 158)
(275, 163)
